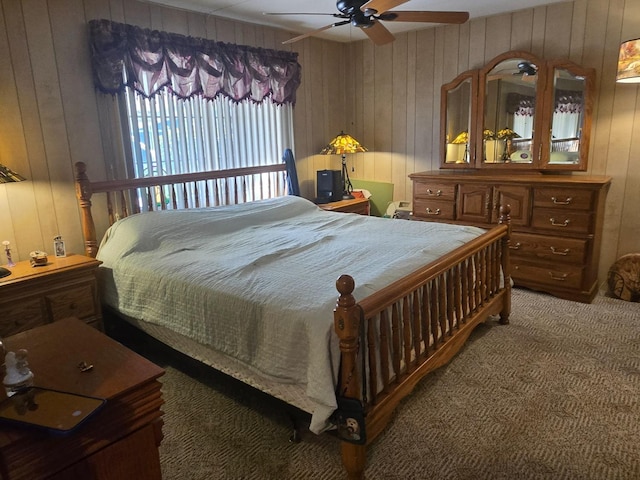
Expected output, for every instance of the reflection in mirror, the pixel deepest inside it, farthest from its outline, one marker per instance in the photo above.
(568, 117)
(457, 122)
(510, 111)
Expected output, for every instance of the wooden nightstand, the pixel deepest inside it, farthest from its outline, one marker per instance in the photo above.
(33, 296)
(352, 205)
(120, 442)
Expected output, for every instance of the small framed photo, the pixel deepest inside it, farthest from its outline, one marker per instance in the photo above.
(58, 247)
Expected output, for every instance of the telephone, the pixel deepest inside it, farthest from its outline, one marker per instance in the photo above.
(400, 209)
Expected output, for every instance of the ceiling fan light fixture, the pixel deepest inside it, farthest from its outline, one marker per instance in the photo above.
(348, 7)
(527, 68)
(359, 19)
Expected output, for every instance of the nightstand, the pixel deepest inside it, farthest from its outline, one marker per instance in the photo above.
(64, 287)
(120, 442)
(351, 205)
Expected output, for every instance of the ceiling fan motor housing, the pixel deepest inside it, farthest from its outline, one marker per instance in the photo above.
(349, 7)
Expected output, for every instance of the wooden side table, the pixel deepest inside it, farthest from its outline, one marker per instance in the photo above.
(352, 205)
(120, 442)
(64, 287)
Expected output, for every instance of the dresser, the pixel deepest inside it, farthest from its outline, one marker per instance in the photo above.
(64, 287)
(556, 222)
(120, 442)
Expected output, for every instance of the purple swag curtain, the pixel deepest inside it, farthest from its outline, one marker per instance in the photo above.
(566, 101)
(187, 66)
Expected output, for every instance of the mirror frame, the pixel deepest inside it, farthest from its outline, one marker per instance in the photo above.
(540, 89)
(445, 89)
(544, 105)
(587, 107)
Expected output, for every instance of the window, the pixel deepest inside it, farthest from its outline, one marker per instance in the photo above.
(169, 135)
(194, 104)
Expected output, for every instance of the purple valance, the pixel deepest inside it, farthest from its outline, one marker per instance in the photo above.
(150, 61)
(568, 101)
(519, 104)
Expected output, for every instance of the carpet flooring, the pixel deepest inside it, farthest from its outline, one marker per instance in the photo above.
(553, 395)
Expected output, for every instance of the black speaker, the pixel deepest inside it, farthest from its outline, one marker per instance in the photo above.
(329, 186)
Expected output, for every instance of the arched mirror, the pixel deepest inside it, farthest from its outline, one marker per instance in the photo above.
(569, 113)
(518, 112)
(510, 110)
(457, 112)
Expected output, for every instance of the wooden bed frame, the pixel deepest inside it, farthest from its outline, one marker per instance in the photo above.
(412, 326)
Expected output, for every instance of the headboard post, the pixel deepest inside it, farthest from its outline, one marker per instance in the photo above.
(83, 193)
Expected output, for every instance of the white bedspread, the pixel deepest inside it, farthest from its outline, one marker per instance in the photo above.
(257, 280)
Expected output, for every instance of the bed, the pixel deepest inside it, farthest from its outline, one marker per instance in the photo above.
(240, 279)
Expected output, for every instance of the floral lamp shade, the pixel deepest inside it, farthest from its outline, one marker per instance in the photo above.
(343, 143)
(629, 62)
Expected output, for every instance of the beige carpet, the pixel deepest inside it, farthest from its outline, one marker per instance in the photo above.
(553, 395)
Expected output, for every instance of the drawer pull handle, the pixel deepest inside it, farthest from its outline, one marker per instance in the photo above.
(560, 278)
(516, 246)
(561, 202)
(556, 224)
(433, 212)
(437, 193)
(564, 252)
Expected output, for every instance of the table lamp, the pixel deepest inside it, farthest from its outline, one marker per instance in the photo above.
(507, 135)
(343, 144)
(462, 138)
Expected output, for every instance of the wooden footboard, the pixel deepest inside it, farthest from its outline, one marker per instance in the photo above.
(414, 326)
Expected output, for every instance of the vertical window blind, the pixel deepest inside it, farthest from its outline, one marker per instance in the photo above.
(169, 135)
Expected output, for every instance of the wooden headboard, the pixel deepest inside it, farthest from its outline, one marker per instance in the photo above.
(173, 192)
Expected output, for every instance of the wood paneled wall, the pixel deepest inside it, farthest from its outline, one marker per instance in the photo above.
(394, 94)
(51, 117)
(388, 97)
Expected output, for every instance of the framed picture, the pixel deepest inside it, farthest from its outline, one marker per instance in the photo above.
(58, 247)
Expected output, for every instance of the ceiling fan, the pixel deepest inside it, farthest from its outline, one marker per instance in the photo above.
(368, 15)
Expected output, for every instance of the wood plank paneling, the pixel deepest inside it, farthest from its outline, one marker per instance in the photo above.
(388, 97)
(586, 31)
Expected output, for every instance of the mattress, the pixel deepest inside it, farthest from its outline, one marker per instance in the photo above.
(255, 282)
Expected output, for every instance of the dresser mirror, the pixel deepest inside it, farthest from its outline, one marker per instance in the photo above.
(569, 141)
(518, 112)
(457, 113)
(510, 93)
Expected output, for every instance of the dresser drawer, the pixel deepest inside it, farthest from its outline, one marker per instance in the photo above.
(434, 190)
(561, 221)
(563, 198)
(75, 302)
(542, 247)
(554, 276)
(433, 209)
(21, 315)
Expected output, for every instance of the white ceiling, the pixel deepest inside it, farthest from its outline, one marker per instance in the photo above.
(252, 11)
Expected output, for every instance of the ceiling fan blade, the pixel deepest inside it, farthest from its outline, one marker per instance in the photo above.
(303, 13)
(426, 16)
(379, 34)
(310, 34)
(381, 6)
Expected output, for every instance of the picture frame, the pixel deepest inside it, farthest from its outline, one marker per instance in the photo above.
(58, 247)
